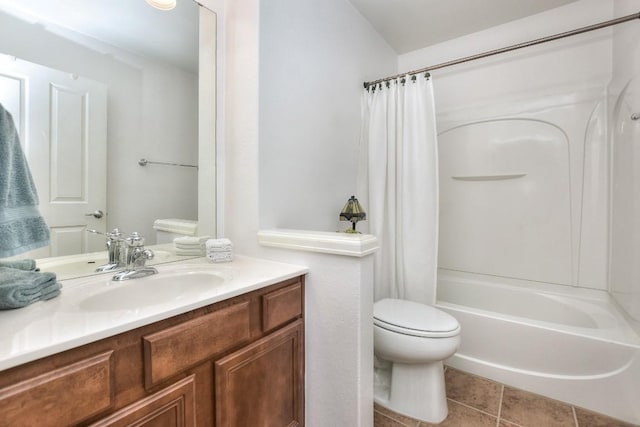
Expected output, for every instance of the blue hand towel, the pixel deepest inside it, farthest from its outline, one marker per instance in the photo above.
(21, 264)
(19, 288)
(21, 227)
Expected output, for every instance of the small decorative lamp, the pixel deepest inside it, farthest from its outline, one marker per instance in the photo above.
(353, 212)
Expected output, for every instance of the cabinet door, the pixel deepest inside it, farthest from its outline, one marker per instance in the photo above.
(64, 396)
(261, 385)
(172, 406)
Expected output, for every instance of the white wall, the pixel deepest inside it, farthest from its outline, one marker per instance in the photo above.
(625, 135)
(152, 113)
(562, 84)
(268, 105)
(314, 57)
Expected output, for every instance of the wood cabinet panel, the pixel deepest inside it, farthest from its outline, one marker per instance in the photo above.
(261, 385)
(68, 395)
(217, 365)
(174, 406)
(281, 306)
(175, 349)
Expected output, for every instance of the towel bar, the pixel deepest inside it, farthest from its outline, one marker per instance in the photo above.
(145, 162)
(499, 177)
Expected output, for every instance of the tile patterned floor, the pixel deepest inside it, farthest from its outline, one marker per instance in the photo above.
(479, 402)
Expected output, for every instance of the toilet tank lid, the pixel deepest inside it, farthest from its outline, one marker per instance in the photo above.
(179, 226)
(413, 316)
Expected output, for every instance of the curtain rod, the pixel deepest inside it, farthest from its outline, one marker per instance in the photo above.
(512, 47)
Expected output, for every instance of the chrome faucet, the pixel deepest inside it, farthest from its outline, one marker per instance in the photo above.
(136, 256)
(116, 249)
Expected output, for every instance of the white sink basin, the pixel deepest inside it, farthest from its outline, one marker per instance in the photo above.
(161, 288)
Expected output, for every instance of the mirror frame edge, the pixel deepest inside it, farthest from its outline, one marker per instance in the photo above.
(210, 205)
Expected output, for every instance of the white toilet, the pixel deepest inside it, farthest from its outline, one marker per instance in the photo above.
(412, 340)
(169, 229)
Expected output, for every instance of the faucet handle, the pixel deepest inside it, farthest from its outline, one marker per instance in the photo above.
(115, 250)
(148, 254)
(136, 257)
(115, 234)
(135, 240)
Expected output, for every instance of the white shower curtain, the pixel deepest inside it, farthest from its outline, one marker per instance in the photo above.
(398, 186)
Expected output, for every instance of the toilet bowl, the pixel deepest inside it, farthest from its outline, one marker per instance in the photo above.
(410, 342)
(169, 229)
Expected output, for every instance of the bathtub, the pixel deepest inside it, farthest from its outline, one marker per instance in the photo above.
(567, 343)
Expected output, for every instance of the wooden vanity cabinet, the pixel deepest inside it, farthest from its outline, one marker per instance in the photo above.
(239, 362)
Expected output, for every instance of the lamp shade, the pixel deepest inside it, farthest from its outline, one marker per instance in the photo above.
(162, 4)
(353, 212)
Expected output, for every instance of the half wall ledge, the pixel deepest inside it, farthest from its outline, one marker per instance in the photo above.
(336, 243)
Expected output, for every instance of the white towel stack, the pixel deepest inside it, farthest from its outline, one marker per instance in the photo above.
(219, 250)
(190, 245)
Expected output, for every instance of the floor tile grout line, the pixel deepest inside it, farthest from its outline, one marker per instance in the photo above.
(391, 418)
(499, 417)
(471, 407)
(500, 405)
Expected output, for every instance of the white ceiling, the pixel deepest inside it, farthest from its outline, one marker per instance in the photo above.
(131, 25)
(135, 26)
(408, 25)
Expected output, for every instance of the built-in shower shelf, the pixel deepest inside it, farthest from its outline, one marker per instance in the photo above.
(496, 177)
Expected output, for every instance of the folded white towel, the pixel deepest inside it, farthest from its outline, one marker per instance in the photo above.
(183, 246)
(190, 252)
(228, 257)
(191, 240)
(212, 250)
(219, 252)
(220, 255)
(219, 243)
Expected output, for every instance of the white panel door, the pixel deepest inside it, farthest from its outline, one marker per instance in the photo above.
(62, 120)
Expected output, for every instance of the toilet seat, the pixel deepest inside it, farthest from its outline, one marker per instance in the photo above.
(415, 319)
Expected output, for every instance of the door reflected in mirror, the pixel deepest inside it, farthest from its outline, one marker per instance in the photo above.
(93, 88)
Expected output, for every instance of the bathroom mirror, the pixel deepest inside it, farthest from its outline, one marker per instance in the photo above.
(94, 87)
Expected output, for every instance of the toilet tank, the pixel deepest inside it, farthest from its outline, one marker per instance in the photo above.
(169, 229)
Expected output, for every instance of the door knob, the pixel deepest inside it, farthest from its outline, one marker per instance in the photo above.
(96, 214)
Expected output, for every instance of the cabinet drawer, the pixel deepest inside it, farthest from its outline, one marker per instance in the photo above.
(68, 395)
(177, 348)
(281, 306)
(173, 406)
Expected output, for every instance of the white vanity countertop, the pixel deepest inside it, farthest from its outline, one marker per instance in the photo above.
(88, 309)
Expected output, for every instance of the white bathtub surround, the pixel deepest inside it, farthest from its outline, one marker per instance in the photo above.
(537, 192)
(566, 343)
(540, 111)
(399, 186)
(625, 191)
